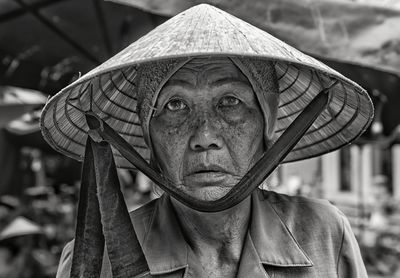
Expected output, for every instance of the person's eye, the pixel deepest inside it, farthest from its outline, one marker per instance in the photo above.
(228, 101)
(176, 105)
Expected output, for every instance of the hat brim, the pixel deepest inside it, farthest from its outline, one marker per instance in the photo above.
(206, 31)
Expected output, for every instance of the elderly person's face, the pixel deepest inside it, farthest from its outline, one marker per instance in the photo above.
(208, 130)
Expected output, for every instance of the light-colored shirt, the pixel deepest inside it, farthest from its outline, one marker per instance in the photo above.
(287, 237)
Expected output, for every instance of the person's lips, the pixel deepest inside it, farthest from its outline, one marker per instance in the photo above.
(207, 174)
(208, 168)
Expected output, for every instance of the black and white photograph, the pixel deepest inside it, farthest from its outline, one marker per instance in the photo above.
(199, 139)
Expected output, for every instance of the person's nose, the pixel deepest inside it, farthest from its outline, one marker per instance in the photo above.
(206, 135)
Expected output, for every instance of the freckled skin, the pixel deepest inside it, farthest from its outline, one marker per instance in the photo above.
(207, 133)
(218, 122)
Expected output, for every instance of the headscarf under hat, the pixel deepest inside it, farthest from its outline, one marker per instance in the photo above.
(261, 75)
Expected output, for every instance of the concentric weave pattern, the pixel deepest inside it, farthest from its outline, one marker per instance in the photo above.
(110, 90)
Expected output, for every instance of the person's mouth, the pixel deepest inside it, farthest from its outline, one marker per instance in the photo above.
(207, 174)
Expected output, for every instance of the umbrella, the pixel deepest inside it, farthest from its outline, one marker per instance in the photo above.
(16, 101)
(26, 124)
(62, 39)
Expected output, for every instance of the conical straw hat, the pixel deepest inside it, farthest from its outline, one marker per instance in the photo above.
(206, 31)
(20, 226)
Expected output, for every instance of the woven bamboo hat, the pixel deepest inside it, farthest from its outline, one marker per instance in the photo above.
(206, 31)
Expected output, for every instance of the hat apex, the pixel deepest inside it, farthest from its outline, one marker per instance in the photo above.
(204, 30)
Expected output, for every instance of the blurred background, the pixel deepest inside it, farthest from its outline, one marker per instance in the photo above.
(47, 44)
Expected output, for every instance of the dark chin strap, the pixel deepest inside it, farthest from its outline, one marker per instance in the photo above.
(257, 174)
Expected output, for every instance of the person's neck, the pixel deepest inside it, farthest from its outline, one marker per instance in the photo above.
(225, 230)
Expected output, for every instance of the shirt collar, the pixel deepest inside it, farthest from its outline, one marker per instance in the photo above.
(162, 241)
(273, 241)
(268, 242)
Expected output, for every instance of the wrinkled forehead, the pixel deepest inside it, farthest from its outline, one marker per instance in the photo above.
(207, 72)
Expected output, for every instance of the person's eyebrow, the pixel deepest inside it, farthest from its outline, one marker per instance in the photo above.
(224, 80)
(178, 82)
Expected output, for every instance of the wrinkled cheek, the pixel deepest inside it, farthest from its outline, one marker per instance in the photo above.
(169, 147)
(246, 143)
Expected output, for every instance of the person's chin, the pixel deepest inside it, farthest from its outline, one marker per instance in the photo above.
(210, 193)
(207, 187)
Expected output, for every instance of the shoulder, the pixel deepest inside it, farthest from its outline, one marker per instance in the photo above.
(319, 228)
(305, 216)
(140, 219)
(302, 207)
(64, 266)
